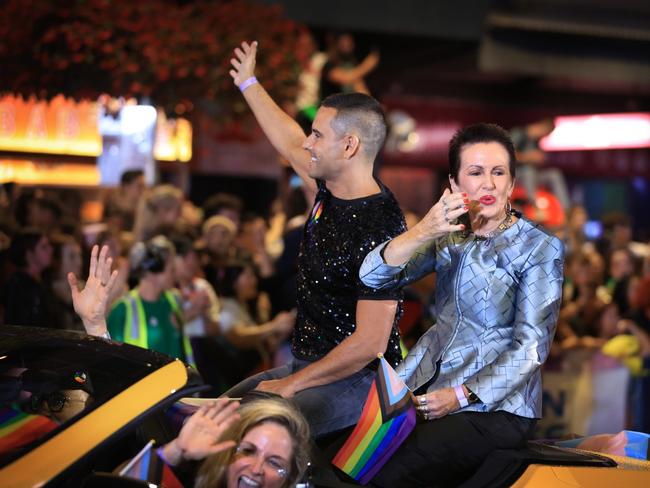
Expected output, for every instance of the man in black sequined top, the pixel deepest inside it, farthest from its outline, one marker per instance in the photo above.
(341, 324)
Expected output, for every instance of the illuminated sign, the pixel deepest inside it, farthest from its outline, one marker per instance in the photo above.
(65, 126)
(604, 131)
(39, 173)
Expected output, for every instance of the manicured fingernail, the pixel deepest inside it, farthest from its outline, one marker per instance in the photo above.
(465, 194)
(465, 207)
(466, 200)
(462, 226)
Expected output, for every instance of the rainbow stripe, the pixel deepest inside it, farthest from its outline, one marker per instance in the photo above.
(388, 417)
(317, 211)
(19, 428)
(148, 466)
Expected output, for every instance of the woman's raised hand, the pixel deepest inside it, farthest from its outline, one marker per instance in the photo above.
(202, 433)
(442, 217)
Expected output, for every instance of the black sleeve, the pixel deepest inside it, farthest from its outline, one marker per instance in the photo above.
(382, 227)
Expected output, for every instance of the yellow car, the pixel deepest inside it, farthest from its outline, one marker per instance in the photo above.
(73, 405)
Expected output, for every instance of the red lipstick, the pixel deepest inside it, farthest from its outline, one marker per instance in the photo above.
(487, 199)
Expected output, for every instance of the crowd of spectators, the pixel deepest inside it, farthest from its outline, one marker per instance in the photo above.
(216, 285)
(211, 285)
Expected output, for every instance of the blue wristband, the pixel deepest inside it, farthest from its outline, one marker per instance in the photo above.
(159, 451)
(250, 81)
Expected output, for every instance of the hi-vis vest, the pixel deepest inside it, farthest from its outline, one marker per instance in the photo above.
(135, 324)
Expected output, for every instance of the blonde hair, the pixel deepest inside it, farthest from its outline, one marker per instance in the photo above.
(157, 198)
(212, 473)
(219, 220)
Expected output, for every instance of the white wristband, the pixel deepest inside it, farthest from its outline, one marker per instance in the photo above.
(460, 394)
(246, 83)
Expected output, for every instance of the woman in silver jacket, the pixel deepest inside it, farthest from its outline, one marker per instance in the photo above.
(476, 372)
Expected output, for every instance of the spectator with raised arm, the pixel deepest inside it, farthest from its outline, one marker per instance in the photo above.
(341, 324)
(264, 443)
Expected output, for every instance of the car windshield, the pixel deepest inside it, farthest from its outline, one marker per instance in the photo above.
(50, 379)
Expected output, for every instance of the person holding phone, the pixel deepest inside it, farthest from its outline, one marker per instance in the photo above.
(475, 373)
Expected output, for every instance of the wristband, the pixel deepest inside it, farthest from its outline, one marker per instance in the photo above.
(460, 394)
(159, 451)
(250, 81)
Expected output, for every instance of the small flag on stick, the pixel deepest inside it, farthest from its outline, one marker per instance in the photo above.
(388, 417)
(147, 466)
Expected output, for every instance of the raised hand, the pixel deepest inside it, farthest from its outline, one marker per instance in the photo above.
(441, 218)
(91, 302)
(243, 62)
(202, 433)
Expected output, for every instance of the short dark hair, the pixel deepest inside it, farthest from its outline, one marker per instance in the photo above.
(25, 240)
(151, 256)
(130, 176)
(615, 219)
(217, 202)
(362, 113)
(477, 133)
(183, 243)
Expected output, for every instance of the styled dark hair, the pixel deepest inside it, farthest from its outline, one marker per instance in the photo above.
(25, 240)
(362, 113)
(477, 133)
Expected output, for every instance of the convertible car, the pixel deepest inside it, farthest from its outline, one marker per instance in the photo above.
(75, 407)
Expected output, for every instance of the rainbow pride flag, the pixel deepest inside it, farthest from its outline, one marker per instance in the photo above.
(148, 466)
(18, 428)
(388, 417)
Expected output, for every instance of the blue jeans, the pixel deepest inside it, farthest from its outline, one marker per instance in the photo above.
(327, 408)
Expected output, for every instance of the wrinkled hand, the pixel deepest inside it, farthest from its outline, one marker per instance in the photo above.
(243, 62)
(91, 302)
(283, 387)
(437, 403)
(441, 218)
(202, 433)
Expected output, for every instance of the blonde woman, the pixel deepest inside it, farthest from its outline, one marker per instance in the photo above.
(159, 210)
(271, 448)
(263, 443)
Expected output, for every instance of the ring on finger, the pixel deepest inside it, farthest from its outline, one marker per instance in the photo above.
(422, 400)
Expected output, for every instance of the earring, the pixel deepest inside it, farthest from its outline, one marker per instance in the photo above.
(508, 207)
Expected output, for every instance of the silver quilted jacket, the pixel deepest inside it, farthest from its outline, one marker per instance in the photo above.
(497, 303)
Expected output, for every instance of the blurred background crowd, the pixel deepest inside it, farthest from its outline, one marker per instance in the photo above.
(206, 241)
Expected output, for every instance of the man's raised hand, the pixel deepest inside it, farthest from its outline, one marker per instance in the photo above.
(243, 62)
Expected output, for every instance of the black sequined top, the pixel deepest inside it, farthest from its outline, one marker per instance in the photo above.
(337, 237)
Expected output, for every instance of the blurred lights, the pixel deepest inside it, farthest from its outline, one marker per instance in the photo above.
(604, 131)
(67, 127)
(33, 173)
